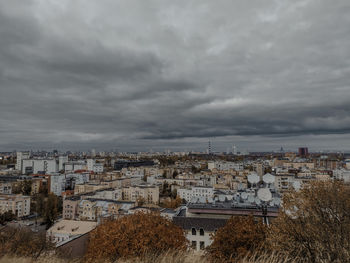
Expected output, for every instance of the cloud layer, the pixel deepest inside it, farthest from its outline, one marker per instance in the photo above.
(149, 73)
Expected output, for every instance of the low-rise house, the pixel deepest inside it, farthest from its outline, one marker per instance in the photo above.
(67, 230)
(198, 230)
(201, 220)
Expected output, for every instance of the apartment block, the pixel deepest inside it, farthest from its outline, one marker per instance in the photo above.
(19, 205)
(195, 192)
(149, 193)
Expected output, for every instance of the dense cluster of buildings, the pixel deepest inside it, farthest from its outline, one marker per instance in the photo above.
(212, 188)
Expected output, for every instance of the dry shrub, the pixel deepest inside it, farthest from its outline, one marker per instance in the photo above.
(41, 259)
(134, 236)
(267, 257)
(172, 203)
(240, 236)
(168, 257)
(23, 242)
(314, 223)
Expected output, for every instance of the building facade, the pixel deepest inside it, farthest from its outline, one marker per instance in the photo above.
(148, 193)
(19, 205)
(195, 192)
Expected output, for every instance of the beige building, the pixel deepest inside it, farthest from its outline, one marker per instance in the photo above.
(19, 205)
(284, 182)
(70, 208)
(148, 193)
(94, 209)
(298, 165)
(36, 183)
(87, 210)
(88, 188)
(118, 183)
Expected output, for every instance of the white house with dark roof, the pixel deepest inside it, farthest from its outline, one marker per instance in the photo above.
(198, 230)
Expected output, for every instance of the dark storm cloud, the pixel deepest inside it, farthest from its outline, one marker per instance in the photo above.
(127, 73)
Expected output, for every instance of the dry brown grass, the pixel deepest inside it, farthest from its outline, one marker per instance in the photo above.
(170, 257)
(11, 259)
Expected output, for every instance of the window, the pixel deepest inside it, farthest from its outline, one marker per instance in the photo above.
(194, 244)
(201, 232)
(201, 245)
(194, 232)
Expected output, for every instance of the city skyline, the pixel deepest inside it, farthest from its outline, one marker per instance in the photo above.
(173, 75)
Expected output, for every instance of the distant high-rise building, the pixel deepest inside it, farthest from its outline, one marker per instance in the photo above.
(209, 147)
(303, 151)
(234, 149)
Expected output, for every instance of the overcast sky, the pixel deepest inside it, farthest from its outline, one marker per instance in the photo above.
(135, 75)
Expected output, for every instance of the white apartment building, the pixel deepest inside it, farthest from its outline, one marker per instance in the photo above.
(20, 157)
(80, 178)
(93, 166)
(61, 162)
(48, 166)
(223, 166)
(195, 192)
(97, 168)
(57, 184)
(74, 166)
(90, 164)
(342, 174)
(133, 173)
(19, 205)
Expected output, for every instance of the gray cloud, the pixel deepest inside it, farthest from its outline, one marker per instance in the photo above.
(81, 74)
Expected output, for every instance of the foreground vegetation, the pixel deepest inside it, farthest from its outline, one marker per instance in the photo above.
(313, 226)
(169, 257)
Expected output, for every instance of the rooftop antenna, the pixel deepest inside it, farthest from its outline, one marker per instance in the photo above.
(297, 185)
(244, 195)
(253, 178)
(209, 147)
(251, 199)
(268, 179)
(265, 195)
